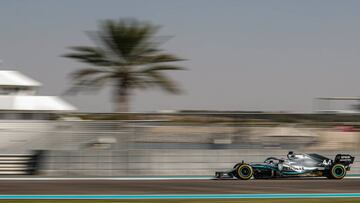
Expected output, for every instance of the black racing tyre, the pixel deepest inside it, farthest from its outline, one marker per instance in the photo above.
(237, 165)
(338, 171)
(235, 170)
(244, 172)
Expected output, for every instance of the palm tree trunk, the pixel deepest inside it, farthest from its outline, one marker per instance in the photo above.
(122, 99)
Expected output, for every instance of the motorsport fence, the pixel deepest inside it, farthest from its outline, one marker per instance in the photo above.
(113, 148)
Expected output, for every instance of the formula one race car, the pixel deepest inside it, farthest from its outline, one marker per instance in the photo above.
(296, 165)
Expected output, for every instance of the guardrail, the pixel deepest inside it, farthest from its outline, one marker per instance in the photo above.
(114, 148)
(20, 164)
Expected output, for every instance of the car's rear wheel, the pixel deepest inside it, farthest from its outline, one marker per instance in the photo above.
(244, 172)
(338, 171)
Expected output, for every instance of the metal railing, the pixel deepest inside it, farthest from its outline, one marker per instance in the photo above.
(113, 148)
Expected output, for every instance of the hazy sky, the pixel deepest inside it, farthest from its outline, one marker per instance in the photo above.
(242, 55)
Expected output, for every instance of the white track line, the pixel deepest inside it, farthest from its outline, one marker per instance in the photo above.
(110, 178)
(120, 178)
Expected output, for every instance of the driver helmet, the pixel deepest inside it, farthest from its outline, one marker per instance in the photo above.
(291, 155)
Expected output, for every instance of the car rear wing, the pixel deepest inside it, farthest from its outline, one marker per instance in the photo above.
(345, 159)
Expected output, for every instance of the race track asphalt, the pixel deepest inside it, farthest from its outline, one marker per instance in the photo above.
(178, 186)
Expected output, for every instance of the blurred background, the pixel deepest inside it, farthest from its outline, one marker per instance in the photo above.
(248, 80)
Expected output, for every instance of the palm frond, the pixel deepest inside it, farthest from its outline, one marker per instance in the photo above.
(124, 36)
(160, 58)
(89, 83)
(164, 82)
(87, 72)
(161, 68)
(91, 55)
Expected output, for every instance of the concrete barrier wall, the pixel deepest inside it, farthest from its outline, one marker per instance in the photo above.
(157, 162)
(94, 148)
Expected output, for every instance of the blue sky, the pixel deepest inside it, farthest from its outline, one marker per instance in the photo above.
(242, 55)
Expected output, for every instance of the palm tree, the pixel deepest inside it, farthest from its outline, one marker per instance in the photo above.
(126, 55)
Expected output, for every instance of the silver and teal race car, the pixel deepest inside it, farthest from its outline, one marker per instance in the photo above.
(296, 165)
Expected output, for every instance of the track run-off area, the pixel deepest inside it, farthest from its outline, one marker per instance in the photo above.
(178, 188)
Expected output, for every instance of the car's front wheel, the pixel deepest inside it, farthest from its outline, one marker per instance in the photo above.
(244, 172)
